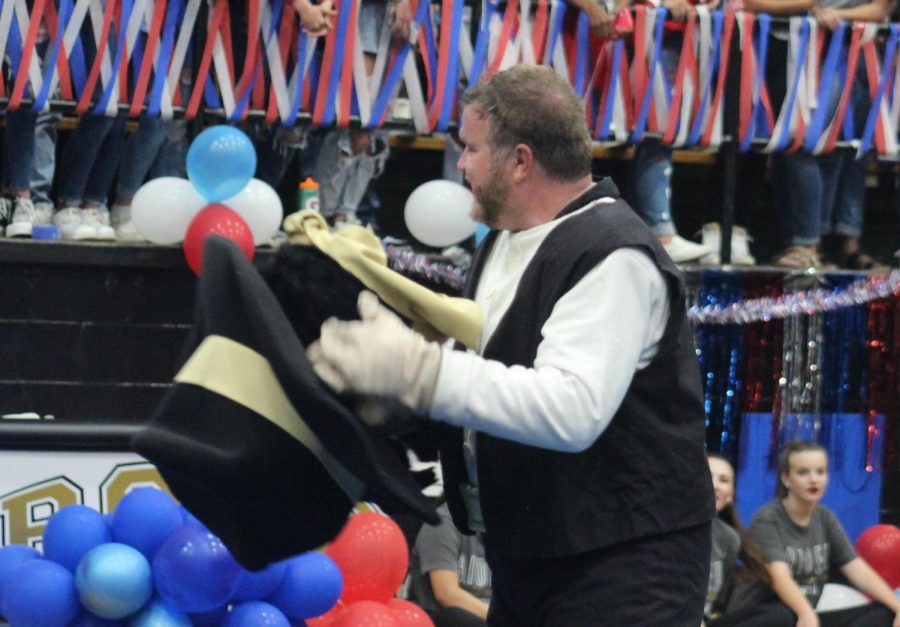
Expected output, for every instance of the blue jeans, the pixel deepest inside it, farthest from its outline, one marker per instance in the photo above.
(90, 160)
(44, 165)
(652, 165)
(819, 194)
(18, 149)
(149, 150)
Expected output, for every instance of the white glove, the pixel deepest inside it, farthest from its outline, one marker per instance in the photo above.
(377, 355)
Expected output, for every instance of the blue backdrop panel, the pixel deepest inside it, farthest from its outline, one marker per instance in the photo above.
(854, 492)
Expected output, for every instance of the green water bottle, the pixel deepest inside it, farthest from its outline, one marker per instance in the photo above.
(308, 196)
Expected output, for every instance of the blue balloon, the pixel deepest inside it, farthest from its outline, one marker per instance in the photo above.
(86, 619)
(188, 518)
(160, 613)
(73, 531)
(144, 518)
(113, 580)
(12, 556)
(481, 231)
(311, 586)
(256, 614)
(39, 593)
(213, 618)
(220, 162)
(256, 586)
(194, 571)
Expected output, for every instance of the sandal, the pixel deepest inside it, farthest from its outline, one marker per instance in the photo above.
(862, 261)
(798, 257)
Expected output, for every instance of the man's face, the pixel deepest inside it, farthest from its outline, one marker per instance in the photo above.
(484, 175)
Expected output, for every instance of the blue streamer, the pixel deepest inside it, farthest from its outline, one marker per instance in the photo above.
(581, 55)
(792, 95)
(109, 92)
(762, 45)
(450, 88)
(829, 72)
(641, 123)
(890, 49)
(555, 31)
(618, 48)
(65, 14)
(481, 42)
(396, 72)
(302, 42)
(174, 14)
(697, 128)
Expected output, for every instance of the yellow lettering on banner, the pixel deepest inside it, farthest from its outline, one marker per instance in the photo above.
(126, 477)
(26, 511)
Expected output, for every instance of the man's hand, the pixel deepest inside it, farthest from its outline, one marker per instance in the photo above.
(680, 10)
(402, 25)
(377, 355)
(827, 17)
(315, 18)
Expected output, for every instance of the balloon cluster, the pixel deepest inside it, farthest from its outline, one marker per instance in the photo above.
(373, 556)
(879, 545)
(221, 198)
(152, 564)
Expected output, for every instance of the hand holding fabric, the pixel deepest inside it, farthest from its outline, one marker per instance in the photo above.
(377, 355)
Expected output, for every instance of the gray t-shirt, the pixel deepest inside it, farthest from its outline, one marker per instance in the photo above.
(443, 547)
(725, 546)
(811, 551)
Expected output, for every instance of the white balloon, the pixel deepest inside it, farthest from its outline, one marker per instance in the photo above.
(261, 208)
(163, 208)
(836, 596)
(437, 213)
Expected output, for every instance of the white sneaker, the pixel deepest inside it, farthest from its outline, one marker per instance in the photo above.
(95, 225)
(22, 218)
(69, 222)
(681, 250)
(6, 209)
(43, 214)
(124, 226)
(740, 245)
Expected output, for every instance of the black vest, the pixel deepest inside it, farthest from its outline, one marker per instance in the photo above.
(647, 473)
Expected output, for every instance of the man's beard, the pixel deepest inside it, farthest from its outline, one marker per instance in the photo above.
(490, 198)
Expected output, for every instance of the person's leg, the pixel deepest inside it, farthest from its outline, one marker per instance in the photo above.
(773, 614)
(171, 158)
(849, 201)
(44, 166)
(797, 180)
(331, 171)
(18, 147)
(79, 155)
(651, 177)
(871, 615)
(455, 617)
(657, 580)
(139, 154)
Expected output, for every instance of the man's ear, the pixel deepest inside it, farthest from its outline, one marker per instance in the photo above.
(524, 162)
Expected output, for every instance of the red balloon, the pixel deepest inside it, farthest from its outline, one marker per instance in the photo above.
(215, 219)
(879, 545)
(409, 614)
(372, 554)
(366, 614)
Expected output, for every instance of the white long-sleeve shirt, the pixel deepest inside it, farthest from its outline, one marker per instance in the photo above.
(599, 333)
